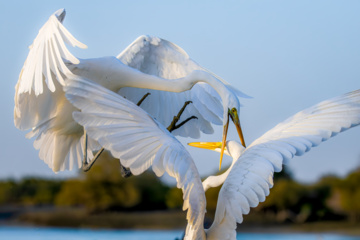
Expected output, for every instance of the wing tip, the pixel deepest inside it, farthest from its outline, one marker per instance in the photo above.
(60, 14)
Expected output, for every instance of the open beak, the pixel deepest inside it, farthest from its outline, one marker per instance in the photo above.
(223, 142)
(215, 146)
(240, 133)
(235, 119)
(221, 145)
(206, 145)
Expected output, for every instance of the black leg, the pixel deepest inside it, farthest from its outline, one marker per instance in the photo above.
(182, 123)
(125, 172)
(173, 125)
(84, 162)
(87, 166)
(143, 98)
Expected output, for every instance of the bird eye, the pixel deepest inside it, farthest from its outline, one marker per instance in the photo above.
(233, 110)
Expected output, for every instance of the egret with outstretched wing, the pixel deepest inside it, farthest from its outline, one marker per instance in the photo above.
(140, 142)
(148, 63)
(250, 176)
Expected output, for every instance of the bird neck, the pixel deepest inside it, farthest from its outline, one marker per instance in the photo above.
(215, 181)
(179, 84)
(137, 79)
(111, 73)
(206, 77)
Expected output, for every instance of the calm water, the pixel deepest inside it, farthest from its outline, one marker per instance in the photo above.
(32, 233)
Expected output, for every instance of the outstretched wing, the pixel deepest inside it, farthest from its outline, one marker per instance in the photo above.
(162, 58)
(251, 177)
(43, 73)
(139, 141)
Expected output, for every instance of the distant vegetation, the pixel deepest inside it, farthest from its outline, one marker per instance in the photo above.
(103, 189)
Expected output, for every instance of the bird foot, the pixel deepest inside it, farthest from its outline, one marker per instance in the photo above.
(176, 126)
(125, 172)
(87, 165)
(173, 125)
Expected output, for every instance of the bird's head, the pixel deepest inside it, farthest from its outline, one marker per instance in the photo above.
(231, 110)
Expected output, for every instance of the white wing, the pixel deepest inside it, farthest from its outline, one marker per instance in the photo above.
(139, 142)
(162, 58)
(251, 177)
(43, 71)
(40, 103)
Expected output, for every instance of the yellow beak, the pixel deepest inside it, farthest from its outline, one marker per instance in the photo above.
(215, 146)
(235, 119)
(223, 142)
(206, 145)
(221, 145)
(240, 133)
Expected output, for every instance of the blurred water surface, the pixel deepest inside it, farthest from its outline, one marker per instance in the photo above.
(40, 233)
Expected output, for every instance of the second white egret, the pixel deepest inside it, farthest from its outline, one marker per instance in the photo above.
(250, 176)
(140, 142)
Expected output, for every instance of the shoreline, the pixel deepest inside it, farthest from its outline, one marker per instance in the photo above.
(153, 220)
(252, 230)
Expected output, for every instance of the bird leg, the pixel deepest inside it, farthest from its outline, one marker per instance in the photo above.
(143, 98)
(84, 162)
(86, 166)
(173, 124)
(125, 172)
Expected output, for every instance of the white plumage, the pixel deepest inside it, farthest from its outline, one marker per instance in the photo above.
(250, 177)
(139, 141)
(148, 63)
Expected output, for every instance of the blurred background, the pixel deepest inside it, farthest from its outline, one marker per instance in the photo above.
(102, 198)
(287, 55)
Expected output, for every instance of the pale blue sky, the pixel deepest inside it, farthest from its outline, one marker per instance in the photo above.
(288, 55)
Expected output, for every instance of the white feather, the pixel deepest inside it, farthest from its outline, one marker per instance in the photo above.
(250, 178)
(148, 63)
(139, 142)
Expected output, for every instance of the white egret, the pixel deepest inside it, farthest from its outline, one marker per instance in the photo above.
(140, 141)
(148, 63)
(250, 176)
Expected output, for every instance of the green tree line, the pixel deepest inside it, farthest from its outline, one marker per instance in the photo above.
(103, 189)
